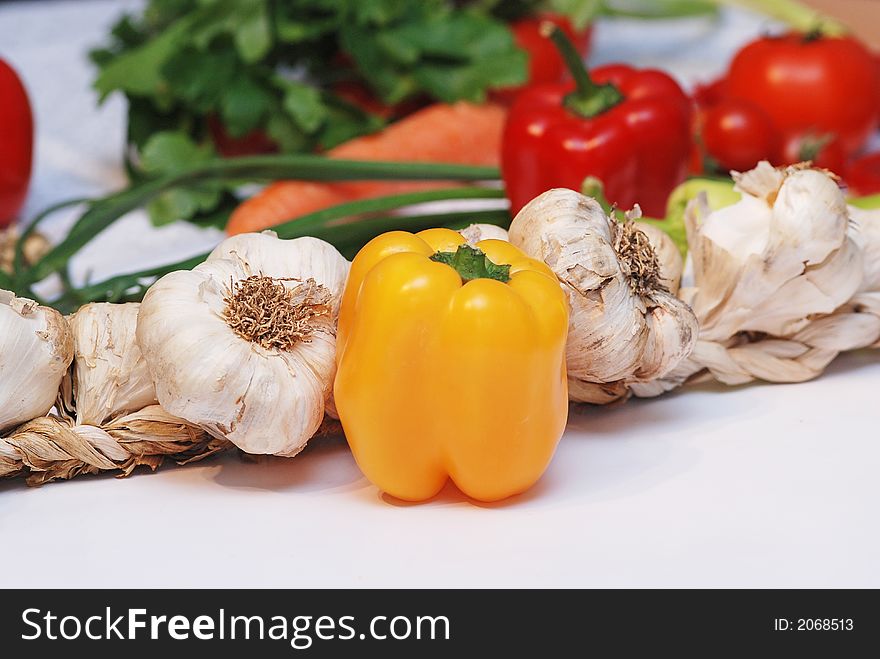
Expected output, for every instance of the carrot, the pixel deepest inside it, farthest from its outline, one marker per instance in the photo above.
(460, 133)
(280, 201)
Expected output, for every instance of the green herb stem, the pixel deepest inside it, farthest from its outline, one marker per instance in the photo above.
(103, 213)
(796, 15)
(344, 216)
(18, 264)
(348, 238)
(115, 289)
(659, 9)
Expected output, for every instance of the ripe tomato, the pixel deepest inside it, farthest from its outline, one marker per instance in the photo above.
(863, 175)
(737, 135)
(707, 94)
(806, 84)
(696, 160)
(16, 144)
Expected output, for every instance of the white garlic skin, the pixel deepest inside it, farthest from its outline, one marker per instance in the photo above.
(110, 376)
(264, 401)
(474, 233)
(866, 233)
(615, 335)
(36, 348)
(771, 261)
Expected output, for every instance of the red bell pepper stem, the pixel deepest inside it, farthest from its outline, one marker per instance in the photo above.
(588, 99)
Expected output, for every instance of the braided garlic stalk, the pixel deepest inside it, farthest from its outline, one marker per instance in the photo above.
(105, 415)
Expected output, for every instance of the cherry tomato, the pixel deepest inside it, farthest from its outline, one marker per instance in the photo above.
(737, 135)
(710, 93)
(863, 175)
(16, 144)
(810, 84)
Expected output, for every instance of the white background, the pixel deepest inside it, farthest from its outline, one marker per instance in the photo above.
(755, 486)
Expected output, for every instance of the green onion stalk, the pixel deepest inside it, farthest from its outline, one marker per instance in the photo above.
(347, 226)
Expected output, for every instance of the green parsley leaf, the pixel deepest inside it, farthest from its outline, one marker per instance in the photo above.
(138, 71)
(303, 103)
(253, 35)
(243, 105)
(181, 204)
(281, 128)
(171, 151)
(166, 153)
(200, 79)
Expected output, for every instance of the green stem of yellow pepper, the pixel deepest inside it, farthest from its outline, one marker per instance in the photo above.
(471, 263)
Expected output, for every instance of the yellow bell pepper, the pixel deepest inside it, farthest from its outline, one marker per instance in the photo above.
(451, 364)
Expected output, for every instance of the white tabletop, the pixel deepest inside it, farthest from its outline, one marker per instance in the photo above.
(754, 486)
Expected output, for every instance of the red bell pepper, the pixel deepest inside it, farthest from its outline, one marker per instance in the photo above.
(545, 62)
(16, 144)
(629, 128)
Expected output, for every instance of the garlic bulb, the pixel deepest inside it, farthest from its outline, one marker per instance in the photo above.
(244, 344)
(625, 325)
(867, 298)
(35, 247)
(770, 277)
(35, 351)
(866, 233)
(856, 324)
(773, 259)
(109, 374)
(10, 463)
